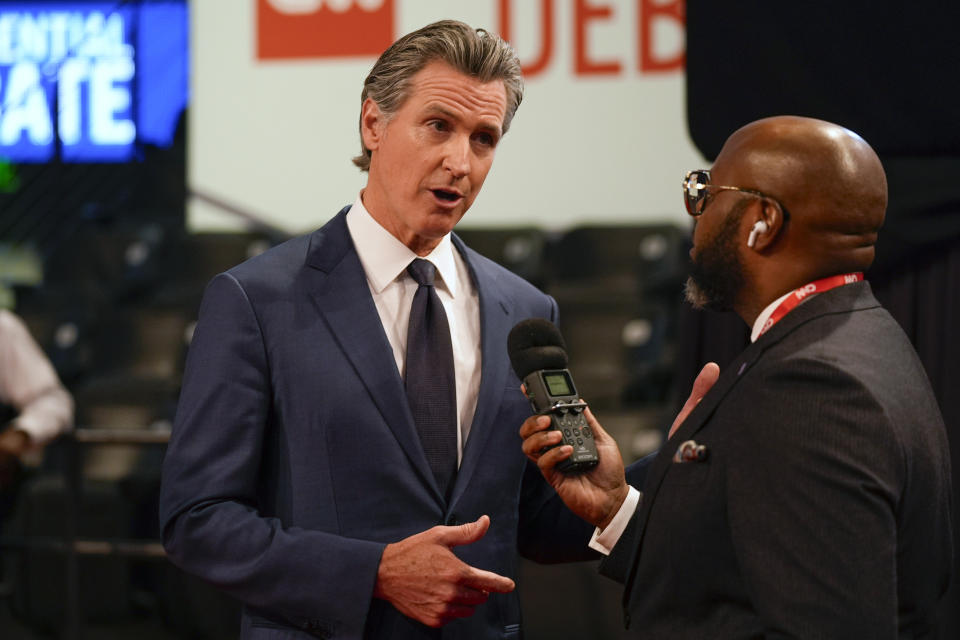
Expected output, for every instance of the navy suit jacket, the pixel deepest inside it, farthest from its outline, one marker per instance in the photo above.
(294, 458)
(823, 507)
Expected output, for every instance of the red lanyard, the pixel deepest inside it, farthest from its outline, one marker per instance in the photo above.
(800, 294)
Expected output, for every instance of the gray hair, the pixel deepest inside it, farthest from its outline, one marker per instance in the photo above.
(473, 52)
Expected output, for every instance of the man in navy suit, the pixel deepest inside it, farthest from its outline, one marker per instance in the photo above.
(808, 494)
(296, 478)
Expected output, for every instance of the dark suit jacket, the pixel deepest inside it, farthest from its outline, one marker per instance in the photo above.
(294, 458)
(823, 507)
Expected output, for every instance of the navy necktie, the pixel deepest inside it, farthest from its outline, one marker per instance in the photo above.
(430, 383)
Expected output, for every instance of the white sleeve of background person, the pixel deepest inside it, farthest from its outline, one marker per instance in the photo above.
(30, 385)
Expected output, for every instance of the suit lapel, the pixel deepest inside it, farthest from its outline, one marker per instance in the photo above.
(344, 301)
(661, 464)
(694, 422)
(495, 324)
(841, 300)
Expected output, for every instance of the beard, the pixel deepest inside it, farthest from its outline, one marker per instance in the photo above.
(716, 277)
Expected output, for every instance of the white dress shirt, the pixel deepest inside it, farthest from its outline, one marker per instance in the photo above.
(385, 260)
(29, 384)
(765, 315)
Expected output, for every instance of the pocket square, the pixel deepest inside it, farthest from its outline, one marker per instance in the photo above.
(690, 451)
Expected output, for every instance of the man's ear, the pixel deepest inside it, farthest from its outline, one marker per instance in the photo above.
(372, 122)
(766, 226)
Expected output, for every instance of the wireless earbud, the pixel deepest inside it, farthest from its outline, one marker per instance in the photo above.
(758, 228)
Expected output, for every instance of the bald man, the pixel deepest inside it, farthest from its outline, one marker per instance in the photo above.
(808, 494)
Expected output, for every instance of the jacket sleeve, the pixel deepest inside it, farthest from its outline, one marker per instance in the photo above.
(209, 512)
(617, 565)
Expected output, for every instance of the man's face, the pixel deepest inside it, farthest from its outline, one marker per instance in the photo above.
(716, 277)
(430, 160)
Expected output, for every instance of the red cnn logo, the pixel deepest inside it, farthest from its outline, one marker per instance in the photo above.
(323, 28)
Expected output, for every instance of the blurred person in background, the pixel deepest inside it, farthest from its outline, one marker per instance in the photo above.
(34, 405)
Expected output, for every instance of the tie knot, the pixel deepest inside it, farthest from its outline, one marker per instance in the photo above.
(422, 271)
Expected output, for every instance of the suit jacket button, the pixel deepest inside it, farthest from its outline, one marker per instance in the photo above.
(452, 520)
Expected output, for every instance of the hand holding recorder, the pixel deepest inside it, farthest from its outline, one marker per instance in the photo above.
(594, 490)
(575, 455)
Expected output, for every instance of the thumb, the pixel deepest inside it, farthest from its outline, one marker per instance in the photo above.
(704, 382)
(466, 533)
(599, 433)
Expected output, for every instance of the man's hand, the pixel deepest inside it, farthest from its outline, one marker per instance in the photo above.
(595, 495)
(14, 442)
(704, 382)
(424, 580)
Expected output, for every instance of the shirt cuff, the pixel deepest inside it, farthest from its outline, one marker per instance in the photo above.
(604, 541)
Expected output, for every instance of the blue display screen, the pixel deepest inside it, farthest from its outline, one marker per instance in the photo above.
(104, 77)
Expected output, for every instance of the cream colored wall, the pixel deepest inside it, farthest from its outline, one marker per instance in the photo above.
(275, 138)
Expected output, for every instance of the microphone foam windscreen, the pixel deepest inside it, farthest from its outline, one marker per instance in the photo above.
(535, 344)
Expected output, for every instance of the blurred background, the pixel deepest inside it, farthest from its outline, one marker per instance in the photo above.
(147, 145)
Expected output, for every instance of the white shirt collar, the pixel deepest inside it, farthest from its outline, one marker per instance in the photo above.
(384, 257)
(765, 315)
